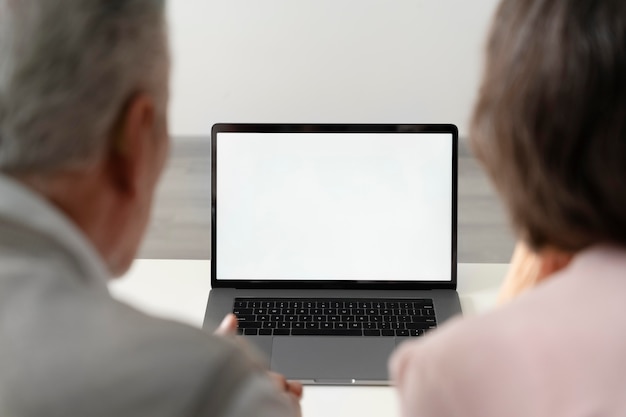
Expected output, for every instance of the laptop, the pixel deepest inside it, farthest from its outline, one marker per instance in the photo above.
(333, 243)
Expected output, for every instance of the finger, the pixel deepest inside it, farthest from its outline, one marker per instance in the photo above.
(228, 327)
(282, 384)
(295, 388)
(279, 380)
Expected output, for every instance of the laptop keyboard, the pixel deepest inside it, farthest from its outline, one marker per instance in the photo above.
(334, 317)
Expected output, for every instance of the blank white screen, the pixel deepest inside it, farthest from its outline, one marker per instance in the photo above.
(334, 206)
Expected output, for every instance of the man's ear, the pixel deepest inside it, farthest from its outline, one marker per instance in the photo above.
(129, 150)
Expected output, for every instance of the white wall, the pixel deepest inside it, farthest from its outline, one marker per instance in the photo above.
(325, 61)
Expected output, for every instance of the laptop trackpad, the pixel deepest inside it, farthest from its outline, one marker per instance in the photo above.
(332, 360)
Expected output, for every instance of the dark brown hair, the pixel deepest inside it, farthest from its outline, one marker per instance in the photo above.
(550, 121)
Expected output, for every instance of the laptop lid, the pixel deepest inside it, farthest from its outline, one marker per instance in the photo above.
(334, 206)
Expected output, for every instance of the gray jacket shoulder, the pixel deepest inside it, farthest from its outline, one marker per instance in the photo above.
(71, 349)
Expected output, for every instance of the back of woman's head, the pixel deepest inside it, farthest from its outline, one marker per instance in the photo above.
(550, 121)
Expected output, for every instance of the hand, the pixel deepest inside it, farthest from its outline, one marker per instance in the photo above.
(290, 387)
(293, 390)
(524, 273)
(228, 327)
(529, 268)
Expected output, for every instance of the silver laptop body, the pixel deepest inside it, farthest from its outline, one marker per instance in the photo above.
(317, 219)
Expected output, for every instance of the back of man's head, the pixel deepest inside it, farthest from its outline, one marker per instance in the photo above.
(66, 69)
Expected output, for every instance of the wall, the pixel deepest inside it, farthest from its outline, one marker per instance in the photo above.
(325, 61)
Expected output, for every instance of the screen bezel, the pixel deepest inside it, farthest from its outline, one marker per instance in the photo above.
(333, 128)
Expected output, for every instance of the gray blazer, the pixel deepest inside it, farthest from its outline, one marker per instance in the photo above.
(68, 349)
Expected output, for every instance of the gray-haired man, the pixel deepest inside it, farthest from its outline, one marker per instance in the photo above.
(83, 140)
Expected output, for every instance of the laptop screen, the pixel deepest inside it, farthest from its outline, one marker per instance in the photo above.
(333, 206)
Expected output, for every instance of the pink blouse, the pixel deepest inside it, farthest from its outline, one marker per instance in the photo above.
(559, 350)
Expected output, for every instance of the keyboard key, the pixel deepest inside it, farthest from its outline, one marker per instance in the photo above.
(274, 311)
(265, 332)
(334, 318)
(397, 326)
(429, 312)
(355, 325)
(263, 318)
(336, 304)
(249, 325)
(243, 311)
(387, 332)
(402, 332)
(284, 325)
(371, 332)
(269, 325)
(281, 332)
(430, 320)
(330, 311)
(241, 304)
(312, 325)
(276, 318)
(416, 332)
(250, 332)
(319, 318)
(325, 332)
(267, 304)
(243, 318)
(287, 311)
(239, 331)
(341, 325)
(420, 326)
(326, 325)
(298, 325)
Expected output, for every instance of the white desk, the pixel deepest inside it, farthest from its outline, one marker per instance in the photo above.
(178, 289)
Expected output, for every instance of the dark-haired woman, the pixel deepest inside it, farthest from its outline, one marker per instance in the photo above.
(550, 129)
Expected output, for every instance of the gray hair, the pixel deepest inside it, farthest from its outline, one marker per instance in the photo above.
(67, 68)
